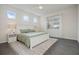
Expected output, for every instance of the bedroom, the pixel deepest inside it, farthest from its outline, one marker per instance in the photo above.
(16, 19)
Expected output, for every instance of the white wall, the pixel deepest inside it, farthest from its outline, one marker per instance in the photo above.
(2, 27)
(69, 21)
(43, 23)
(19, 13)
(78, 25)
(69, 26)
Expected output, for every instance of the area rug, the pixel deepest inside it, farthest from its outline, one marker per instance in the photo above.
(40, 49)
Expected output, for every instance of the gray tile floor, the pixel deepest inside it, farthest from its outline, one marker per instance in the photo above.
(61, 47)
(18, 48)
(64, 47)
(5, 49)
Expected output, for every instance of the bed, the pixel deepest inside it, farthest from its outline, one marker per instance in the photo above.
(31, 38)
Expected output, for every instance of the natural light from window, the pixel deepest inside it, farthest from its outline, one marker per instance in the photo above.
(26, 18)
(11, 14)
(35, 20)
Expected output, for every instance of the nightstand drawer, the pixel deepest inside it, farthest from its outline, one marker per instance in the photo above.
(12, 35)
(11, 39)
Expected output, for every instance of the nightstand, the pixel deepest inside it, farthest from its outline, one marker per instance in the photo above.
(12, 38)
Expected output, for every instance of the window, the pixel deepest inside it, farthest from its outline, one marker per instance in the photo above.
(54, 22)
(26, 18)
(56, 26)
(11, 14)
(35, 20)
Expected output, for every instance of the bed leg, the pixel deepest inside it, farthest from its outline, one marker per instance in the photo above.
(30, 47)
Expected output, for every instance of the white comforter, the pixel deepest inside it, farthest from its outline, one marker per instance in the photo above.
(33, 34)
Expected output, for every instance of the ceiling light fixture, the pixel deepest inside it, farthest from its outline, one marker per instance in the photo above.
(40, 7)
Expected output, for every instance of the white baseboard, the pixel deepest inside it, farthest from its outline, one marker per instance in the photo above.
(3, 41)
(78, 41)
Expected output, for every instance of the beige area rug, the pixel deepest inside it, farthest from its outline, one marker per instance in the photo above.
(21, 49)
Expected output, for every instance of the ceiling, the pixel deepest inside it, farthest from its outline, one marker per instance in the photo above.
(47, 8)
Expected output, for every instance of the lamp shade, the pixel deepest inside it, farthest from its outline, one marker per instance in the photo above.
(12, 26)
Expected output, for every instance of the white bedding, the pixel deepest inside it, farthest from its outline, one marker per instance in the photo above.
(33, 34)
(32, 39)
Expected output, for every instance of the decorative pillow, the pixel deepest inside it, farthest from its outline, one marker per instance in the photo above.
(26, 30)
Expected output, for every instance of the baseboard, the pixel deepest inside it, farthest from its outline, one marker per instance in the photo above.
(4, 42)
(78, 41)
(61, 38)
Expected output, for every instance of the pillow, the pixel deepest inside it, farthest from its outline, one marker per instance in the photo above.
(26, 30)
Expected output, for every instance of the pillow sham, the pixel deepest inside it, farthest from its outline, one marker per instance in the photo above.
(26, 30)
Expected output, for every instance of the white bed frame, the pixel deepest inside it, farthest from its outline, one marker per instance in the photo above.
(38, 39)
